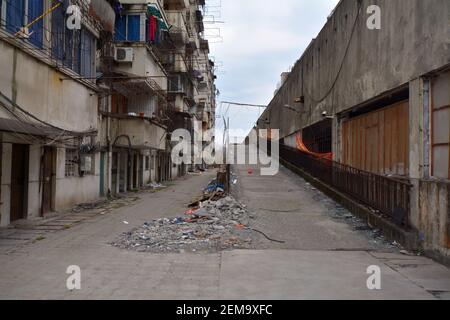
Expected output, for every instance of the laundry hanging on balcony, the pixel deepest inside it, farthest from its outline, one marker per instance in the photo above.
(302, 147)
(156, 25)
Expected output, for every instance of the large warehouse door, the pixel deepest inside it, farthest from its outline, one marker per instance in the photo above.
(378, 141)
(440, 123)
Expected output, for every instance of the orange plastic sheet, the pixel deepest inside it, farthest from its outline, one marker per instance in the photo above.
(301, 146)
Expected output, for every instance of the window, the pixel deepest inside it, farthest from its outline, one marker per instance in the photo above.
(119, 104)
(21, 12)
(87, 54)
(128, 28)
(87, 164)
(71, 165)
(75, 49)
(441, 126)
(176, 83)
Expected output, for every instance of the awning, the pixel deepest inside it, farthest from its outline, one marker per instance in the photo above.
(37, 127)
(102, 11)
(16, 126)
(153, 10)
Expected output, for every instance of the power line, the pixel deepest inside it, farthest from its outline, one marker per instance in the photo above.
(245, 104)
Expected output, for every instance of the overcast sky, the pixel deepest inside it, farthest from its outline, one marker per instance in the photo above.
(260, 41)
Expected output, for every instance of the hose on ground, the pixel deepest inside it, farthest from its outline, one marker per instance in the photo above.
(266, 236)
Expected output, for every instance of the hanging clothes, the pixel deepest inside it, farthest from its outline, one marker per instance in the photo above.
(152, 28)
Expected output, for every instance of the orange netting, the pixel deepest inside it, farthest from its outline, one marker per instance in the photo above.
(301, 146)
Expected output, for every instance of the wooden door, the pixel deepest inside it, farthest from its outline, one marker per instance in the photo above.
(19, 180)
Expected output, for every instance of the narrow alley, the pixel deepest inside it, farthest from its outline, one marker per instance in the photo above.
(198, 150)
(323, 255)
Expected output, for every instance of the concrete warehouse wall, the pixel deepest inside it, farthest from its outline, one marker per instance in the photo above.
(410, 52)
(413, 40)
(434, 218)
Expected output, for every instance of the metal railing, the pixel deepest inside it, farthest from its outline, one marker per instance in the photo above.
(389, 196)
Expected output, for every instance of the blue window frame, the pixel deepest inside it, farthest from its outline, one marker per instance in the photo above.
(134, 28)
(87, 54)
(75, 49)
(15, 14)
(120, 33)
(35, 10)
(21, 12)
(58, 29)
(128, 28)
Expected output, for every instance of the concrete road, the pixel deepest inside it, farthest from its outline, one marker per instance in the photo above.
(323, 256)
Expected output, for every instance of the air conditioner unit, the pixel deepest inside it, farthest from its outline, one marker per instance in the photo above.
(124, 55)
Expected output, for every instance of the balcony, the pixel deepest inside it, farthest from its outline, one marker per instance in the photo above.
(176, 4)
(144, 64)
(143, 134)
(204, 45)
(179, 31)
(179, 104)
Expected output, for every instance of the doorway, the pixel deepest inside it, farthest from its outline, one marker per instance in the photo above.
(114, 171)
(48, 172)
(19, 181)
(134, 184)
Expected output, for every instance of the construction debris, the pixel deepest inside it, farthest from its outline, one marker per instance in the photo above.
(215, 226)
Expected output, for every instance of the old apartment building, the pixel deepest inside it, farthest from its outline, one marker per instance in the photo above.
(86, 112)
(378, 100)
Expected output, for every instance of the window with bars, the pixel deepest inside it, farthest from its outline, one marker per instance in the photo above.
(87, 164)
(71, 164)
(75, 49)
(16, 14)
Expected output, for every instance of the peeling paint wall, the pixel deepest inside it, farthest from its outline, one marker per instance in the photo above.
(66, 104)
(434, 220)
(40, 90)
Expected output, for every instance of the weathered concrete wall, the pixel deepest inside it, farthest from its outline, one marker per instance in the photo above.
(5, 206)
(34, 191)
(414, 39)
(144, 65)
(68, 190)
(74, 190)
(434, 218)
(141, 132)
(38, 88)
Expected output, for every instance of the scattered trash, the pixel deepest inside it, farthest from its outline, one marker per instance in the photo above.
(406, 253)
(190, 211)
(154, 186)
(126, 222)
(218, 225)
(213, 186)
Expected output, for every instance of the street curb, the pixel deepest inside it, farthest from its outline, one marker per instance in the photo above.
(408, 239)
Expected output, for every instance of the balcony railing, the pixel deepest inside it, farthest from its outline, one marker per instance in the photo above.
(388, 196)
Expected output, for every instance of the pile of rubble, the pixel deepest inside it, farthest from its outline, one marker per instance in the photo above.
(211, 226)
